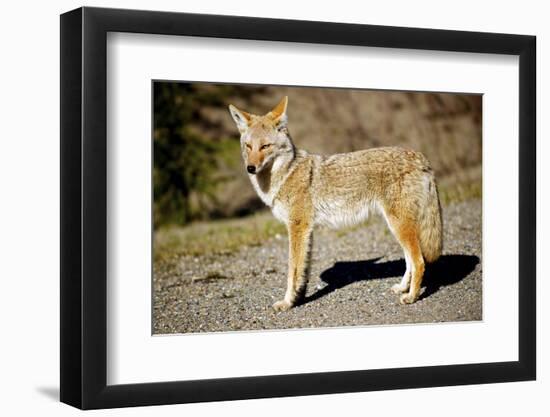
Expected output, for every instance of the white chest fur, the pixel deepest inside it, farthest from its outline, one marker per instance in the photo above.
(268, 186)
(280, 211)
(268, 197)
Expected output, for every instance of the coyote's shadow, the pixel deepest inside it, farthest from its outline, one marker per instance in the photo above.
(447, 270)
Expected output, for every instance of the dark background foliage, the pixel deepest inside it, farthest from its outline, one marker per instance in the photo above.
(186, 159)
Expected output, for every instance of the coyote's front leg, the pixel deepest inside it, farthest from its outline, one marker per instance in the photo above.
(299, 239)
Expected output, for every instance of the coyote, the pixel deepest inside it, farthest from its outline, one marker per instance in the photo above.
(304, 190)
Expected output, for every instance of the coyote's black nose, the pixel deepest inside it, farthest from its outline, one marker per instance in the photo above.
(251, 169)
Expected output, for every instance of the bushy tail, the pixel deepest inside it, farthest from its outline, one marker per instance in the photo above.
(431, 224)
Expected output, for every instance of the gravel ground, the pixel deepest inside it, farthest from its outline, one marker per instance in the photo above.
(351, 276)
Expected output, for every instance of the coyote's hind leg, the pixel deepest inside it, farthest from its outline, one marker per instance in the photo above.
(403, 286)
(406, 234)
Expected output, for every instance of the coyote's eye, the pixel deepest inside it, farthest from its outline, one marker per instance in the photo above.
(267, 145)
(248, 146)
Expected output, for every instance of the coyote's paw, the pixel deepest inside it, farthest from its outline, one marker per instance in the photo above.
(407, 299)
(398, 289)
(282, 305)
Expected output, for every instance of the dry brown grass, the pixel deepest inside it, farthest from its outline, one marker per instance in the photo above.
(215, 237)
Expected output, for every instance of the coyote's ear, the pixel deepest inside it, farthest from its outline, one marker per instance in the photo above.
(278, 114)
(242, 118)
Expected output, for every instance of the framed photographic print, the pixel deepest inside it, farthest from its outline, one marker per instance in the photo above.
(257, 208)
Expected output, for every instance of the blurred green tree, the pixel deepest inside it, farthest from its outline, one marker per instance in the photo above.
(186, 158)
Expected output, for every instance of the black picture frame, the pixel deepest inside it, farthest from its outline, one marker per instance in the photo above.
(84, 207)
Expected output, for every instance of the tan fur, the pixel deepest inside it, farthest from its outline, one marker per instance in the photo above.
(304, 190)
